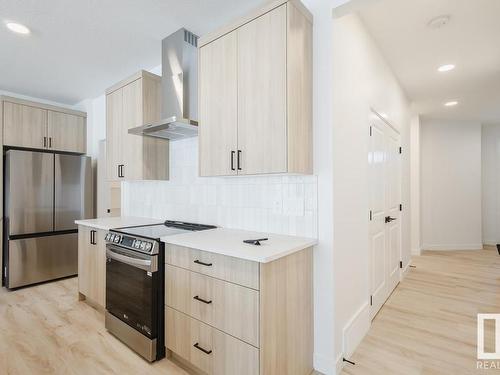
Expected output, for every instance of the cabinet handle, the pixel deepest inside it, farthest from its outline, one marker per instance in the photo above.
(202, 300)
(50, 142)
(203, 264)
(232, 160)
(238, 161)
(44, 142)
(120, 170)
(92, 237)
(197, 346)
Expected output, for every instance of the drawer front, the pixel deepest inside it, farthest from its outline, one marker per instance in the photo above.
(238, 271)
(207, 348)
(229, 307)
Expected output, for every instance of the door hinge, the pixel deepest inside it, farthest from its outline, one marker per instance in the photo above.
(400, 264)
(371, 300)
(371, 215)
(400, 150)
(401, 207)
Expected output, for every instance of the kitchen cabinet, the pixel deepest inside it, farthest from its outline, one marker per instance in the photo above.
(132, 102)
(66, 132)
(24, 126)
(218, 101)
(38, 126)
(256, 94)
(226, 315)
(92, 265)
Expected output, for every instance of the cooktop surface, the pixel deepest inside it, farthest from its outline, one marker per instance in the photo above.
(169, 228)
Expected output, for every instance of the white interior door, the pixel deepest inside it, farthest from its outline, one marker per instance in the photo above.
(385, 221)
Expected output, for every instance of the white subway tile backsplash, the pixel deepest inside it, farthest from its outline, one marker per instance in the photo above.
(277, 204)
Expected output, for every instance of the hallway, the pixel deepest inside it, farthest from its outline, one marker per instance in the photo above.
(428, 325)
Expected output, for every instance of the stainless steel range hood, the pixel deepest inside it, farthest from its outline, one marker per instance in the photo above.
(179, 89)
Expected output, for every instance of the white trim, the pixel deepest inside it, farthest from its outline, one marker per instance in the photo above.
(324, 365)
(340, 363)
(476, 246)
(355, 330)
(417, 252)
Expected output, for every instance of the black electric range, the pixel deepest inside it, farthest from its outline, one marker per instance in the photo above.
(135, 282)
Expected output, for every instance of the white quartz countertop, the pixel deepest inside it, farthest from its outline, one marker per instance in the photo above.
(107, 223)
(230, 242)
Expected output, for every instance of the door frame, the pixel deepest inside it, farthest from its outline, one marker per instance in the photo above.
(374, 114)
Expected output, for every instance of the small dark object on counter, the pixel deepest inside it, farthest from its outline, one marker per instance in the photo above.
(255, 242)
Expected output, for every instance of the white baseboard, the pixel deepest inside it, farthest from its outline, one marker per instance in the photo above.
(355, 330)
(416, 252)
(340, 364)
(474, 246)
(324, 365)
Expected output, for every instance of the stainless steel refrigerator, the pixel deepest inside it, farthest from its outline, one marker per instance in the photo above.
(44, 193)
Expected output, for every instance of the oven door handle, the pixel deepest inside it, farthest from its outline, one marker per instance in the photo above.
(147, 265)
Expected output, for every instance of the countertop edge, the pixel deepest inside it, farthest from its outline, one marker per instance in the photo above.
(265, 259)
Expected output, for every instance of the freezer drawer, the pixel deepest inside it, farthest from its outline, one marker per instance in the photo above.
(34, 260)
(73, 190)
(29, 192)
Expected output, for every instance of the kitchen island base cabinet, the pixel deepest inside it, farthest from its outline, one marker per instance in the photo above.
(92, 266)
(283, 310)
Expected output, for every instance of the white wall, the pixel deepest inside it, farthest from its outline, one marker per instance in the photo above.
(415, 185)
(361, 80)
(451, 185)
(491, 184)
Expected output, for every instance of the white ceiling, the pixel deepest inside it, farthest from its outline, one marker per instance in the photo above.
(414, 52)
(79, 48)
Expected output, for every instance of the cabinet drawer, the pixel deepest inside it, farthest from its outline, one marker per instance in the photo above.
(215, 352)
(231, 308)
(238, 271)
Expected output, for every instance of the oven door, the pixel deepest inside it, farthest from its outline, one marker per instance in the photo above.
(131, 282)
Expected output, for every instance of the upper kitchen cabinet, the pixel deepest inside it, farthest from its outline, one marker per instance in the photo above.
(66, 132)
(39, 126)
(131, 103)
(256, 94)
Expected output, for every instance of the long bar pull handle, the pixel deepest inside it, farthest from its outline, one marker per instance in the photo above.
(50, 142)
(197, 346)
(203, 264)
(202, 300)
(44, 142)
(238, 162)
(232, 161)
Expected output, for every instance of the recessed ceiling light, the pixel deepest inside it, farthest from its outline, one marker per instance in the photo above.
(438, 22)
(446, 68)
(451, 103)
(17, 28)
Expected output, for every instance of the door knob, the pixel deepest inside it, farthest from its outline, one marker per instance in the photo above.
(388, 219)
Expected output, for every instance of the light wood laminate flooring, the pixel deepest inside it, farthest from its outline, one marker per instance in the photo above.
(45, 330)
(428, 324)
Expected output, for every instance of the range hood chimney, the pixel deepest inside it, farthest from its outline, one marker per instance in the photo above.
(179, 89)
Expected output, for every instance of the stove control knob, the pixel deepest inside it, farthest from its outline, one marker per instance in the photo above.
(117, 238)
(137, 244)
(143, 245)
(149, 246)
(107, 237)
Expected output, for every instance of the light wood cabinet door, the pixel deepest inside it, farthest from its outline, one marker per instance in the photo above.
(231, 308)
(92, 264)
(132, 117)
(66, 132)
(207, 348)
(24, 126)
(218, 107)
(114, 115)
(262, 105)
